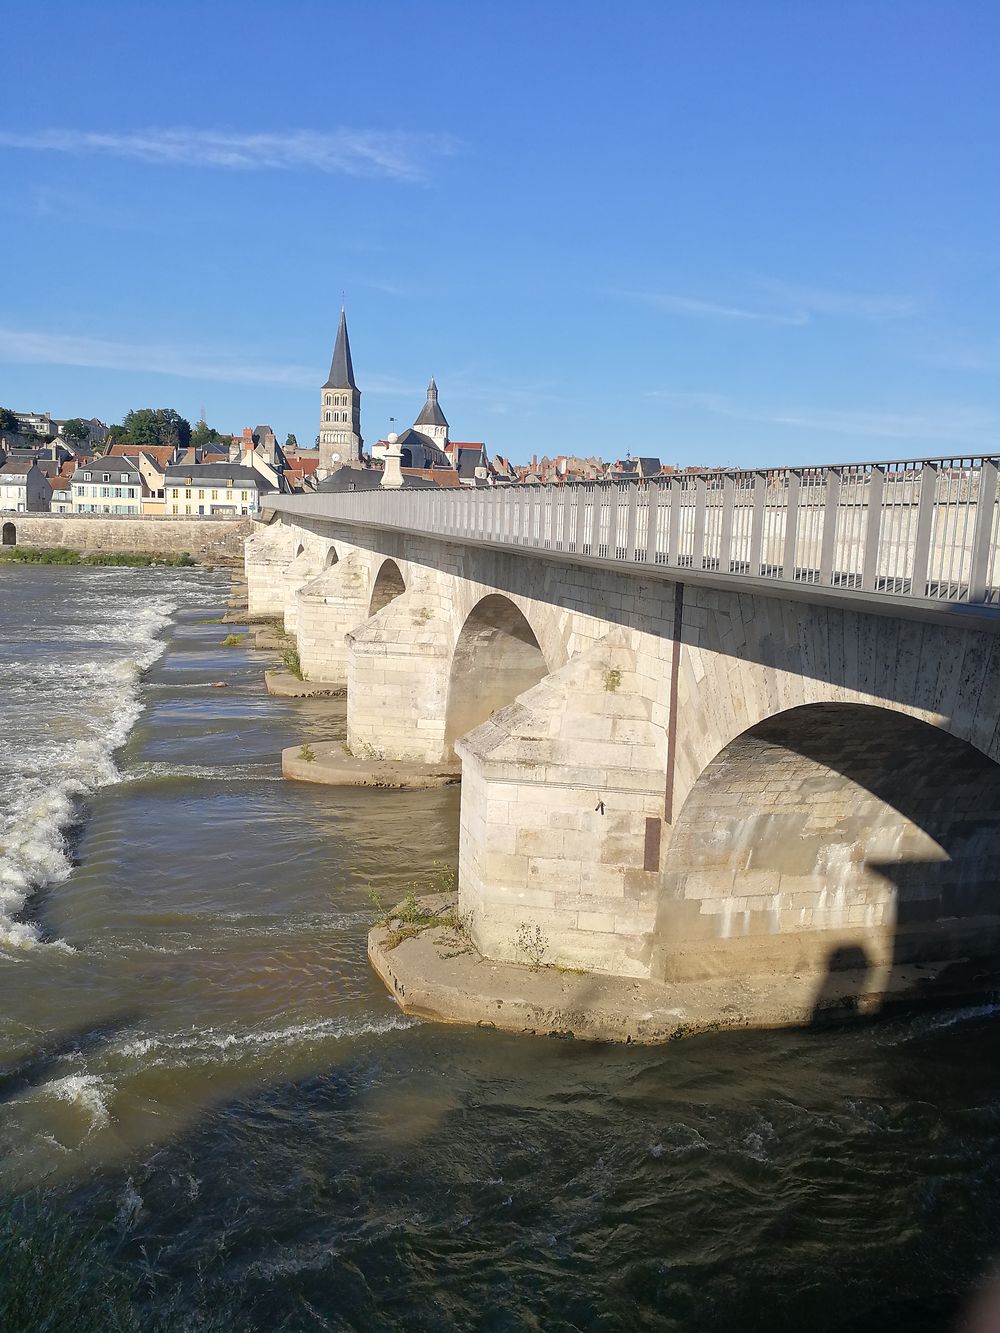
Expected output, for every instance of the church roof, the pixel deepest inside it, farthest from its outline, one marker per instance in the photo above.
(430, 413)
(341, 369)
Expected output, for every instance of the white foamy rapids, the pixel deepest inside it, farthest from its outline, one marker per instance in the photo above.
(209, 1043)
(66, 720)
(85, 1091)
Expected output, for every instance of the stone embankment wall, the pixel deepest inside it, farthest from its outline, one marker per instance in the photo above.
(217, 541)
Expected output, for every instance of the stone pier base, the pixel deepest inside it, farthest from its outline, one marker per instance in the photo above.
(430, 975)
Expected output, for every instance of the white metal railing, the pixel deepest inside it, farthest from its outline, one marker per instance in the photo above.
(924, 529)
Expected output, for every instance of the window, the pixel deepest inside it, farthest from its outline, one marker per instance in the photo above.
(229, 495)
(118, 492)
(106, 476)
(175, 509)
(328, 416)
(187, 494)
(329, 400)
(215, 495)
(201, 495)
(244, 496)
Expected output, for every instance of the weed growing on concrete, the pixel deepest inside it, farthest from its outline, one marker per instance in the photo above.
(290, 660)
(532, 943)
(307, 753)
(612, 679)
(233, 640)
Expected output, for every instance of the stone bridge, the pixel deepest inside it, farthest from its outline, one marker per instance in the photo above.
(726, 726)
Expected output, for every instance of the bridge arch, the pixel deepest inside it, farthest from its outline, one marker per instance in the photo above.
(299, 548)
(331, 558)
(497, 656)
(9, 535)
(832, 835)
(387, 586)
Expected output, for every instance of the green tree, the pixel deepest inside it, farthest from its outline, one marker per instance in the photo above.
(204, 434)
(291, 442)
(8, 421)
(155, 425)
(76, 429)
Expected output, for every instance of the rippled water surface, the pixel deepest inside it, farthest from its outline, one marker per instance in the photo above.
(212, 1116)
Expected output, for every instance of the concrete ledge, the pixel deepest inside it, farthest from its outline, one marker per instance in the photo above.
(269, 640)
(429, 978)
(286, 686)
(335, 768)
(232, 617)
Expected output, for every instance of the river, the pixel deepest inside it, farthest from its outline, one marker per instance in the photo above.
(213, 1116)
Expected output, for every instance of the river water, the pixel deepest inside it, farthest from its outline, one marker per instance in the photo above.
(212, 1115)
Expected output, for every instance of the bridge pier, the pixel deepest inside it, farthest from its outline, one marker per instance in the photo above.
(329, 607)
(397, 681)
(562, 800)
(267, 555)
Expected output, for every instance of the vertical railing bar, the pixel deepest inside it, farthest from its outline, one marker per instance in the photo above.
(726, 530)
(674, 528)
(922, 541)
(632, 516)
(828, 542)
(652, 515)
(983, 531)
(873, 529)
(757, 523)
(792, 487)
(698, 538)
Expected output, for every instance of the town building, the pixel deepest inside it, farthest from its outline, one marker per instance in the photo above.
(61, 495)
(111, 485)
(24, 488)
(226, 489)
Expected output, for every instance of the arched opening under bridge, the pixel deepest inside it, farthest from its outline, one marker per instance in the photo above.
(497, 657)
(331, 558)
(831, 837)
(9, 535)
(388, 586)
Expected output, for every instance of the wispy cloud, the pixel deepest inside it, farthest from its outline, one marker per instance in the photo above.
(26, 347)
(947, 424)
(782, 303)
(839, 302)
(397, 154)
(700, 309)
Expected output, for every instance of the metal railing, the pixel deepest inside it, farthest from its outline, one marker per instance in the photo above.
(924, 529)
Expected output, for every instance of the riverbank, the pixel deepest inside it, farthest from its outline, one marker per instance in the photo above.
(29, 555)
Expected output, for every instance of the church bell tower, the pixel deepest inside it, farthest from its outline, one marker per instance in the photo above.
(340, 409)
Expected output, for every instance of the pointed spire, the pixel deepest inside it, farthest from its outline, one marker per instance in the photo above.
(430, 413)
(341, 369)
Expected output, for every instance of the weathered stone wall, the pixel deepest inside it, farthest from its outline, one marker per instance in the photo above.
(211, 541)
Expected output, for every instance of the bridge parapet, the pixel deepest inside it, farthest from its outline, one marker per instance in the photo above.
(919, 533)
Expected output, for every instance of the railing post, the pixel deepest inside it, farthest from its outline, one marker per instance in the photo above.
(982, 538)
(652, 516)
(925, 524)
(873, 529)
(631, 519)
(726, 527)
(674, 528)
(595, 520)
(613, 496)
(791, 535)
(831, 511)
(576, 518)
(698, 539)
(757, 523)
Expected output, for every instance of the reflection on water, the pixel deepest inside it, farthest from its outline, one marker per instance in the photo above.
(213, 1116)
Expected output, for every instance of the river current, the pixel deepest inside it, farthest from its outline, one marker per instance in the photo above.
(213, 1116)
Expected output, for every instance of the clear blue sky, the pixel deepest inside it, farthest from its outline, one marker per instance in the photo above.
(740, 232)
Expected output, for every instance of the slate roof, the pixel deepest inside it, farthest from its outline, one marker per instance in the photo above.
(341, 367)
(430, 413)
(207, 473)
(118, 469)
